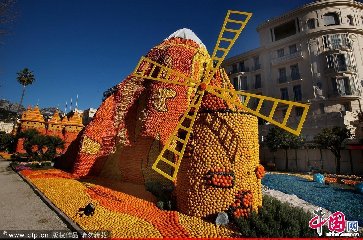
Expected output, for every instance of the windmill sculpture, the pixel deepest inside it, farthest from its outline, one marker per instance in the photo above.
(173, 151)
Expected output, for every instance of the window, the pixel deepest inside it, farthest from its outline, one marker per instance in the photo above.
(235, 83)
(341, 86)
(299, 111)
(347, 106)
(292, 49)
(258, 81)
(295, 74)
(297, 93)
(244, 85)
(341, 63)
(234, 68)
(280, 53)
(326, 41)
(350, 20)
(256, 61)
(285, 30)
(284, 94)
(347, 90)
(336, 41)
(242, 66)
(311, 23)
(331, 19)
(282, 75)
(330, 61)
(334, 85)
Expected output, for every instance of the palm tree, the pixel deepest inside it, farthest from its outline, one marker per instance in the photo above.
(25, 77)
(53, 143)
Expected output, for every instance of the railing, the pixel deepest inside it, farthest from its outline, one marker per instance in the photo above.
(288, 57)
(295, 76)
(256, 67)
(282, 79)
(285, 79)
(342, 68)
(245, 69)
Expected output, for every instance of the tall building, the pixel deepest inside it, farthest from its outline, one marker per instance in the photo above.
(312, 54)
(88, 115)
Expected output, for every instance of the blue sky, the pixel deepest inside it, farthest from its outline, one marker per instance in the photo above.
(85, 47)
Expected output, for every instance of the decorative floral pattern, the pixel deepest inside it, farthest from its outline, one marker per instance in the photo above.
(159, 99)
(89, 146)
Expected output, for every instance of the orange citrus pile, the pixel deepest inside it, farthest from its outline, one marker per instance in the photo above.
(126, 210)
(242, 206)
(134, 122)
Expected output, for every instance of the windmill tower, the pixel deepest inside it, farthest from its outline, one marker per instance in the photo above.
(220, 164)
(178, 120)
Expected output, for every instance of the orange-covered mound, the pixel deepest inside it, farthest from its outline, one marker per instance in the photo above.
(124, 209)
(131, 126)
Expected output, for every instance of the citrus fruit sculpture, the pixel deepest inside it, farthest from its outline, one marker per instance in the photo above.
(178, 112)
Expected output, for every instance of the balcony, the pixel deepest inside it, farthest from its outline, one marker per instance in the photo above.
(280, 60)
(344, 45)
(256, 67)
(282, 79)
(239, 72)
(285, 79)
(342, 69)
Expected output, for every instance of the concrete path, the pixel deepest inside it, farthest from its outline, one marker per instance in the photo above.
(21, 208)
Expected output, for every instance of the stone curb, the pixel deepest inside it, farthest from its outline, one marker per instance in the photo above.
(70, 224)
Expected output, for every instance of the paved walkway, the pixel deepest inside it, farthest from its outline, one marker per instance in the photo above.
(20, 207)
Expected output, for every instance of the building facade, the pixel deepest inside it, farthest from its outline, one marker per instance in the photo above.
(88, 115)
(313, 54)
(6, 127)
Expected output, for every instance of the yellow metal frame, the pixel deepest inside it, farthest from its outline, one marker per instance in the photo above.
(233, 98)
(185, 124)
(168, 74)
(146, 67)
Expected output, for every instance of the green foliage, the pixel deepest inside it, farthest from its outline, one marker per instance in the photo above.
(276, 219)
(25, 77)
(278, 138)
(6, 142)
(46, 145)
(53, 143)
(29, 133)
(332, 139)
(7, 116)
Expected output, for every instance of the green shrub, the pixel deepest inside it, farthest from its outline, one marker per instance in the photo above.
(6, 142)
(276, 219)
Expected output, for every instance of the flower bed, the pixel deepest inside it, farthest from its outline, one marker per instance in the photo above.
(126, 209)
(5, 155)
(329, 197)
(19, 166)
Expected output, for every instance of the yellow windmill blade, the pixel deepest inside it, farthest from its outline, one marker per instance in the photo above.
(176, 143)
(233, 97)
(148, 69)
(228, 35)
